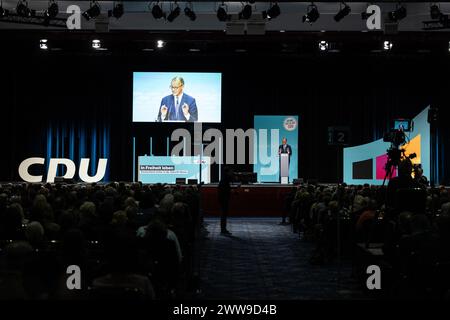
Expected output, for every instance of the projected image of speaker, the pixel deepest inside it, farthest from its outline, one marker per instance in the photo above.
(177, 97)
(180, 180)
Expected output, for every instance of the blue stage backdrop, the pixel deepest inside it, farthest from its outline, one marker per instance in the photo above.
(269, 132)
(75, 140)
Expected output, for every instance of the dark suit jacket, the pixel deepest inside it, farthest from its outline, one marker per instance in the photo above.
(169, 102)
(288, 149)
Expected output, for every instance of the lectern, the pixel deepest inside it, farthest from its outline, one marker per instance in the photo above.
(284, 168)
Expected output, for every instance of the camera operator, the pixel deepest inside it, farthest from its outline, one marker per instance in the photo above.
(419, 178)
(404, 180)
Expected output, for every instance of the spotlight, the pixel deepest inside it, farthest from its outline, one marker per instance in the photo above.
(174, 13)
(189, 12)
(449, 46)
(312, 14)
(160, 44)
(435, 12)
(387, 45)
(96, 44)
(93, 11)
(343, 12)
(43, 44)
(23, 10)
(157, 11)
(52, 10)
(222, 14)
(117, 11)
(273, 12)
(246, 12)
(398, 14)
(323, 45)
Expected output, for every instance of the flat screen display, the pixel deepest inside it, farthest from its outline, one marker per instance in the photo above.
(402, 124)
(177, 97)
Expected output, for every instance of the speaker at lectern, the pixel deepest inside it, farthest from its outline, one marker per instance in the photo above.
(284, 168)
(284, 151)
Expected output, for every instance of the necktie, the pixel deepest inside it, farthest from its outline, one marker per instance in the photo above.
(176, 107)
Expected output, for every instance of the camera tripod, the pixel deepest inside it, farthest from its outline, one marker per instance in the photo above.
(394, 157)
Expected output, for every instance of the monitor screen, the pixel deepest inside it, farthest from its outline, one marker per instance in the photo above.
(402, 124)
(177, 97)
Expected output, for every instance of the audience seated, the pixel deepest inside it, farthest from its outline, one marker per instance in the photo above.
(128, 239)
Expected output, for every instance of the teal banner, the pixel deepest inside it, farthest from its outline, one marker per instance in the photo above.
(155, 169)
(269, 132)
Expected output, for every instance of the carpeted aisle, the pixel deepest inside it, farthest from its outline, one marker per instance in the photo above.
(265, 260)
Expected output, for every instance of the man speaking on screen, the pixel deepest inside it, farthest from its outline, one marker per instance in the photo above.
(178, 106)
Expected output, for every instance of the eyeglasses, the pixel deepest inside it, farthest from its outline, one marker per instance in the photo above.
(174, 88)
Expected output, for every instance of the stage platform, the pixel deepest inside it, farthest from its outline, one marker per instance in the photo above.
(267, 200)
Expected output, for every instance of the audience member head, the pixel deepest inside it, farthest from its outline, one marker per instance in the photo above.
(419, 223)
(119, 218)
(445, 209)
(404, 222)
(87, 212)
(130, 201)
(166, 203)
(14, 217)
(34, 233)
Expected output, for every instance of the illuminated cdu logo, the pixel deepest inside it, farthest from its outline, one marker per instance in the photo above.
(70, 173)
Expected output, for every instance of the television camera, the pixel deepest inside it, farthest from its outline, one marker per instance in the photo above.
(396, 154)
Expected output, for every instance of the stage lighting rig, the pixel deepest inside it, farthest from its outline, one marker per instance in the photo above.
(22, 9)
(246, 12)
(442, 23)
(189, 11)
(52, 10)
(312, 14)
(117, 10)
(24, 15)
(273, 12)
(93, 12)
(398, 14)
(222, 13)
(435, 12)
(174, 12)
(343, 12)
(157, 11)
